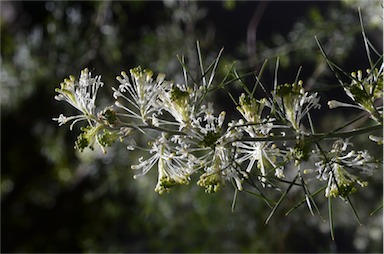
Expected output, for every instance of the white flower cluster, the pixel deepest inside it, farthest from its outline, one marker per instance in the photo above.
(335, 166)
(365, 92)
(293, 103)
(81, 95)
(186, 137)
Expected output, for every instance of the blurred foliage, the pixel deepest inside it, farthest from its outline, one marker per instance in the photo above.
(54, 199)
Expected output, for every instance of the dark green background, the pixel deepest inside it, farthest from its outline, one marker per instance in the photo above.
(54, 199)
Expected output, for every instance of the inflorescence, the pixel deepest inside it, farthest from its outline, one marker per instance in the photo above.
(184, 136)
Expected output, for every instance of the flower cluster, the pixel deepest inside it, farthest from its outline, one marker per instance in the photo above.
(336, 165)
(292, 103)
(261, 154)
(80, 94)
(184, 136)
(141, 93)
(365, 92)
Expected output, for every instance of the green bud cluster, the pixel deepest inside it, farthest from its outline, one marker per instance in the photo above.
(251, 108)
(90, 134)
(212, 182)
(342, 189)
(210, 139)
(67, 88)
(108, 116)
(365, 91)
(180, 99)
(86, 138)
(106, 138)
(301, 152)
(140, 73)
(178, 95)
(346, 188)
(165, 184)
(288, 97)
(288, 90)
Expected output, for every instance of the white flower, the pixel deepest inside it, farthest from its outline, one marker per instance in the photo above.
(208, 115)
(80, 94)
(340, 168)
(141, 92)
(261, 155)
(252, 111)
(293, 103)
(221, 168)
(364, 92)
(279, 173)
(61, 119)
(176, 100)
(173, 168)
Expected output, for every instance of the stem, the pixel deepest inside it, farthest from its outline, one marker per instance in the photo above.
(149, 126)
(316, 136)
(347, 134)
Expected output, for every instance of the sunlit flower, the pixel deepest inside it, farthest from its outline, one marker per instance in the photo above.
(176, 100)
(252, 111)
(364, 91)
(212, 179)
(340, 167)
(293, 103)
(80, 94)
(173, 168)
(259, 155)
(221, 168)
(140, 91)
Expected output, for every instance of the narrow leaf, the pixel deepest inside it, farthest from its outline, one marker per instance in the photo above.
(281, 200)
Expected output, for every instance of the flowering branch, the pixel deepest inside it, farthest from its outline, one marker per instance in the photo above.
(188, 138)
(185, 137)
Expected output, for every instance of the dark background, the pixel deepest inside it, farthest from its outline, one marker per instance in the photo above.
(54, 199)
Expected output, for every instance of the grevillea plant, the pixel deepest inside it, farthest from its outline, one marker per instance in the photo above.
(270, 145)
